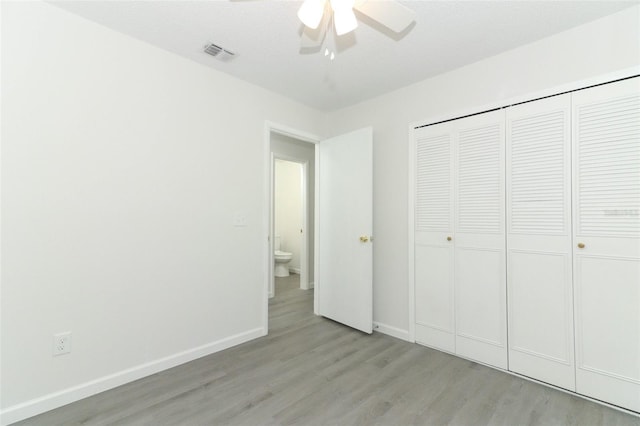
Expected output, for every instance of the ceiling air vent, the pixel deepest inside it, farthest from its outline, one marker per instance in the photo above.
(219, 52)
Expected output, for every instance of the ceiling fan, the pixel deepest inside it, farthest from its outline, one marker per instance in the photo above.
(317, 15)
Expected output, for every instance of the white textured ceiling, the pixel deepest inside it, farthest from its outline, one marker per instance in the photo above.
(265, 34)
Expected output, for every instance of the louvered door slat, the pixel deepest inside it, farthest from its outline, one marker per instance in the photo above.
(537, 160)
(479, 180)
(433, 183)
(608, 152)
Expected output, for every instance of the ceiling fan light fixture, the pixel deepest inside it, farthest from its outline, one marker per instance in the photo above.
(344, 19)
(311, 11)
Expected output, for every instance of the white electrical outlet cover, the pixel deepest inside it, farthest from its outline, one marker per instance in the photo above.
(61, 343)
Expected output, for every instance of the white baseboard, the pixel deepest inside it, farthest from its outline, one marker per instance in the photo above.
(398, 333)
(58, 399)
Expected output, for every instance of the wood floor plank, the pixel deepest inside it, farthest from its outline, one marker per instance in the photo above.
(313, 371)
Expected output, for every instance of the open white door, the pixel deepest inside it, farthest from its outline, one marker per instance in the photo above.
(344, 266)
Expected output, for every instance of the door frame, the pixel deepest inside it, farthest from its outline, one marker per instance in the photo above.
(271, 127)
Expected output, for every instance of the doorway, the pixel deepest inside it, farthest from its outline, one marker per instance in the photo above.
(342, 223)
(290, 230)
(289, 153)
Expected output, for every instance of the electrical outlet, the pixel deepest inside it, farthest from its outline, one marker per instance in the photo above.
(61, 343)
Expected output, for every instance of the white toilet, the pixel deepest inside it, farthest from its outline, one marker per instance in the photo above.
(281, 258)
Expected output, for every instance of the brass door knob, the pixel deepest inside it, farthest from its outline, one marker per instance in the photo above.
(580, 245)
(449, 238)
(364, 239)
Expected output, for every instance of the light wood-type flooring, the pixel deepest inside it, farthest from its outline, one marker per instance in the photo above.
(312, 371)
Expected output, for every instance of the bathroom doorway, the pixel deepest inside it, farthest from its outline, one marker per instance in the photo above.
(292, 210)
(296, 300)
(288, 220)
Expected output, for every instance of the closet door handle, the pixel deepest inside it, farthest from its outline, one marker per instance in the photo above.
(449, 238)
(580, 245)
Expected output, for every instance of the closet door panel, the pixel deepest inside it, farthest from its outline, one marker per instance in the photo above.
(607, 242)
(547, 274)
(434, 274)
(480, 289)
(434, 296)
(607, 327)
(539, 278)
(479, 300)
(608, 345)
(540, 317)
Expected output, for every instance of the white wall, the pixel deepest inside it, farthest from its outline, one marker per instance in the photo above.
(288, 209)
(286, 147)
(603, 46)
(123, 167)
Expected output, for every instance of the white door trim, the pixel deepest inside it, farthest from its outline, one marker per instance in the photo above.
(411, 205)
(267, 224)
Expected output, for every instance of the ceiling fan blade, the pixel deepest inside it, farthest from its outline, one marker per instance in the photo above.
(313, 38)
(391, 14)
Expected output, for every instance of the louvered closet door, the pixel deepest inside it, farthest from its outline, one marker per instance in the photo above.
(606, 191)
(539, 279)
(434, 296)
(479, 241)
